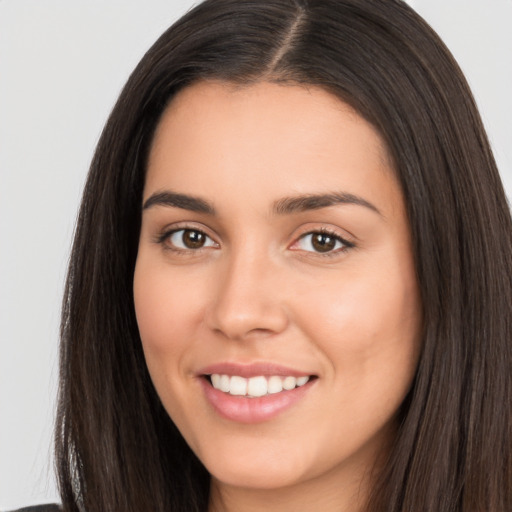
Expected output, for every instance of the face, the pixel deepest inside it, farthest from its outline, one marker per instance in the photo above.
(274, 287)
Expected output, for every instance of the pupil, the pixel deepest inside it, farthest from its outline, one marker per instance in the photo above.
(323, 242)
(193, 239)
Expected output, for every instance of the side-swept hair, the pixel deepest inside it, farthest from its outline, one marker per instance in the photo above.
(117, 449)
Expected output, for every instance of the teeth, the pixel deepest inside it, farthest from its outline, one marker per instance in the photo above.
(302, 380)
(256, 386)
(237, 386)
(289, 383)
(275, 384)
(224, 383)
(216, 378)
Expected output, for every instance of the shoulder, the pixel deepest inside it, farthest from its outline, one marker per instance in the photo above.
(40, 508)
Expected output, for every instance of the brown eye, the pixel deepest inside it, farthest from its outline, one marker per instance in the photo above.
(193, 239)
(190, 239)
(322, 242)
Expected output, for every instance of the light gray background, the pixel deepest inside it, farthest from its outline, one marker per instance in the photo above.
(62, 65)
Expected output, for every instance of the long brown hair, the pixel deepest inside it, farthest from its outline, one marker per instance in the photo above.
(117, 449)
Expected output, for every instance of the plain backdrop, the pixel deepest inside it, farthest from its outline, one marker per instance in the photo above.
(62, 65)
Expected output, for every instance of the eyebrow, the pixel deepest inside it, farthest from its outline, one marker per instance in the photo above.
(316, 201)
(284, 206)
(184, 201)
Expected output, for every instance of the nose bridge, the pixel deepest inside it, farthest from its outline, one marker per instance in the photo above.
(247, 302)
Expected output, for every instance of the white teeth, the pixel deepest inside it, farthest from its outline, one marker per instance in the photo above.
(255, 386)
(216, 378)
(224, 383)
(275, 384)
(302, 380)
(289, 383)
(237, 385)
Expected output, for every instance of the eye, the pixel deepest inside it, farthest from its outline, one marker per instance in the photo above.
(189, 239)
(322, 242)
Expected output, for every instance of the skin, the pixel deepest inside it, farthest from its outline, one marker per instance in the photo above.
(259, 291)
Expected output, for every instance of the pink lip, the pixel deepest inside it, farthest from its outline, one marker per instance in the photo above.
(251, 370)
(252, 410)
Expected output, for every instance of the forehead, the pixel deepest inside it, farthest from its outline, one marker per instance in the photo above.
(266, 139)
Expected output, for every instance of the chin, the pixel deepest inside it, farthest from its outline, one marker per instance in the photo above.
(255, 469)
(259, 478)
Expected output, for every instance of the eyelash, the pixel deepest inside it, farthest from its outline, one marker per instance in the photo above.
(346, 245)
(163, 237)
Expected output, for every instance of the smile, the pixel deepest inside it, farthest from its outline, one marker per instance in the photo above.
(253, 393)
(258, 386)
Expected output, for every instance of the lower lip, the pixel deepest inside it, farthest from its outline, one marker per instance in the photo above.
(252, 410)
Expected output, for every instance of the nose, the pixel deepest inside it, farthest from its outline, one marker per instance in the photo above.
(249, 299)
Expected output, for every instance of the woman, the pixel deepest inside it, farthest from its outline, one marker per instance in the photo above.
(290, 283)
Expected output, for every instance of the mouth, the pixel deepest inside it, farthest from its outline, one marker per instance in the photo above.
(257, 386)
(255, 392)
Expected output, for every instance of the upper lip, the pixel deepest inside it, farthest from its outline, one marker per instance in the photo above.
(265, 369)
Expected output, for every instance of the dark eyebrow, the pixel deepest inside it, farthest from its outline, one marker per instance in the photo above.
(184, 201)
(316, 201)
(282, 206)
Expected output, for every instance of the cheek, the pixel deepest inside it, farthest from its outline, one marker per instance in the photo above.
(167, 310)
(368, 331)
(367, 323)
(165, 305)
